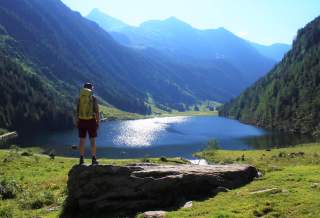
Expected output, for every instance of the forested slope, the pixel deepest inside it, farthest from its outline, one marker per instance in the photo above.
(27, 102)
(63, 50)
(288, 98)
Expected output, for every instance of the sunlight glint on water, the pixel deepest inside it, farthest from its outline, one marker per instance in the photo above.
(141, 133)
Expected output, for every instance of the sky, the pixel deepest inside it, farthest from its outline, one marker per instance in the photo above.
(262, 21)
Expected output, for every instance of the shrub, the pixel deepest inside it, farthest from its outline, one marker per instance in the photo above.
(30, 201)
(15, 148)
(3, 131)
(213, 145)
(145, 160)
(27, 153)
(48, 198)
(6, 212)
(8, 189)
(163, 159)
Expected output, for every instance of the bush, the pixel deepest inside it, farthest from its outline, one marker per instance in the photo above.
(6, 212)
(8, 189)
(12, 155)
(15, 148)
(145, 160)
(48, 198)
(30, 201)
(213, 145)
(163, 159)
(27, 153)
(3, 131)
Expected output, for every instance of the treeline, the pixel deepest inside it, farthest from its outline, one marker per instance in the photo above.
(288, 98)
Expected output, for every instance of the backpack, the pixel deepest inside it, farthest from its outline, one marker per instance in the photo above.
(86, 104)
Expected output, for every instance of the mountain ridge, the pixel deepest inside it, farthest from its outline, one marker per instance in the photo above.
(198, 45)
(275, 51)
(65, 50)
(114, 23)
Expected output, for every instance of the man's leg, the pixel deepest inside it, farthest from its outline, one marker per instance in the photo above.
(93, 150)
(93, 147)
(81, 148)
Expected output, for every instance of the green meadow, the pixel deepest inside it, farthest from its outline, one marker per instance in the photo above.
(34, 185)
(289, 186)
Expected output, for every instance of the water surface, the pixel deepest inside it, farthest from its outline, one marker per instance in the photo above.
(165, 136)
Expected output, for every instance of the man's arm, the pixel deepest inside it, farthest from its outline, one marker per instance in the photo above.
(77, 113)
(97, 115)
(96, 111)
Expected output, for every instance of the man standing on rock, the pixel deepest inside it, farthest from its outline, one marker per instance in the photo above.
(87, 120)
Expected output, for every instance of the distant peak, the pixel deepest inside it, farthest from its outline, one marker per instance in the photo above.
(106, 21)
(222, 29)
(170, 22)
(95, 10)
(173, 18)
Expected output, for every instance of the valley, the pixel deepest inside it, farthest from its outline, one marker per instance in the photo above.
(230, 85)
(64, 53)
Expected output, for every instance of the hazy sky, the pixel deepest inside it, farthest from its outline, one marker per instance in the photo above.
(263, 21)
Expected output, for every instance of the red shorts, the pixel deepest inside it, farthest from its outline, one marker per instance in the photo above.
(89, 126)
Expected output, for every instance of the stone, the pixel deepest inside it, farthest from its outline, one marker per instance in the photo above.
(119, 191)
(315, 185)
(187, 205)
(74, 147)
(267, 191)
(154, 214)
(220, 189)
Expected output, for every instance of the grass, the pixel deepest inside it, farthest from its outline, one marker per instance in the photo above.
(204, 108)
(186, 113)
(291, 174)
(3, 131)
(35, 185)
(112, 113)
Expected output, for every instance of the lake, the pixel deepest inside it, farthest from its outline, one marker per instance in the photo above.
(165, 136)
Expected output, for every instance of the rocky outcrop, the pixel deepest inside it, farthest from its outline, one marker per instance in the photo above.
(117, 191)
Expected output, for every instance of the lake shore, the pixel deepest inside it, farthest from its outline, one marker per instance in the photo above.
(173, 114)
(164, 136)
(185, 113)
(110, 113)
(290, 177)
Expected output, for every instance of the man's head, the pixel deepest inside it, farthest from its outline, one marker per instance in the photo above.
(88, 86)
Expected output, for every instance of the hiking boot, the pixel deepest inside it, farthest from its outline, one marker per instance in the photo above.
(81, 161)
(94, 161)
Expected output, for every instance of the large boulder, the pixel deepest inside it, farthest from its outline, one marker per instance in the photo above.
(116, 191)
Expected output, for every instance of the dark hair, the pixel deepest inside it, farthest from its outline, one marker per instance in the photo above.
(88, 86)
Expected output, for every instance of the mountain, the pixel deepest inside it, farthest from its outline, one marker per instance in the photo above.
(287, 98)
(67, 49)
(185, 44)
(275, 51)
(106, 22)
(62, 50)
(27, 101)
(111, 24)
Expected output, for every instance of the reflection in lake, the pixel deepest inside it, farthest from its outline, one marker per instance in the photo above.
(142, 133)
(277, 139)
